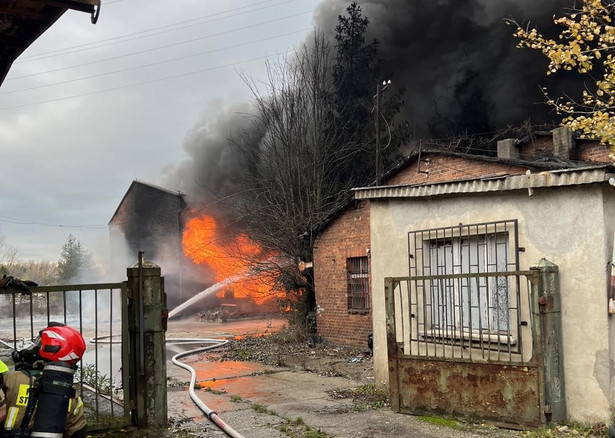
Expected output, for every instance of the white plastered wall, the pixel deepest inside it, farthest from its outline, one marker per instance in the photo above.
(566, 225)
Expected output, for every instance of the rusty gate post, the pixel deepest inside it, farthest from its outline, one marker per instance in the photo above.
(147, 326)
(547, 329)
(392, 346)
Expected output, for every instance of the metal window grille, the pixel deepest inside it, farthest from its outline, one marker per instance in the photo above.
(358, 283)
(456, 295)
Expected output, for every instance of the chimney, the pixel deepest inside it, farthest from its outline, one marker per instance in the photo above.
(508, 150)
(564, 146)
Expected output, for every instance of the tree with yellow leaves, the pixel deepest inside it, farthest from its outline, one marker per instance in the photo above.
(586, 44)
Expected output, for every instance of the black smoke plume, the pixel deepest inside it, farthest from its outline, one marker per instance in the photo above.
(458, 60)
(208, 175)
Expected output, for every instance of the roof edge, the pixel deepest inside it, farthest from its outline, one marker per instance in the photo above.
(136, 181)
(555, 178)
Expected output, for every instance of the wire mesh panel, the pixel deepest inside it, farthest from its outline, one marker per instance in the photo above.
(95, 310)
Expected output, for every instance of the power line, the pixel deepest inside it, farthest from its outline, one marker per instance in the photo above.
(112, 41)
(139, 83)
(146, 65)
(16, 221)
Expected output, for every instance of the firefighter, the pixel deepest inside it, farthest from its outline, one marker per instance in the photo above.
(40, 398)
(3, 369)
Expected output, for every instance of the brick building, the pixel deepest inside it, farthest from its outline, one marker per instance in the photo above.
(343, 280)
(149, 219)
(341, 277)
(458, 313)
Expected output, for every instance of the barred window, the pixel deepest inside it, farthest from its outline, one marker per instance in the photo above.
(456, 292)
(479, 303)
(357, 269)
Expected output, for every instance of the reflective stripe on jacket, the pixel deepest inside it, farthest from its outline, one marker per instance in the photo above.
(16, 388)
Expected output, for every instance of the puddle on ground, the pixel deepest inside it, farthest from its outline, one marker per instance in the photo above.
(215, 371)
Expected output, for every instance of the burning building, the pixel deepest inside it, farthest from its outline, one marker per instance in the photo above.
(193, 250)
(243, 273)
(149, 219)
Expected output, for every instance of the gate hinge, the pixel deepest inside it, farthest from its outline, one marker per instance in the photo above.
(542, 305)
(164, 317)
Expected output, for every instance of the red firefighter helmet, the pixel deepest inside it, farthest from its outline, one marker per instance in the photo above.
(61, 343)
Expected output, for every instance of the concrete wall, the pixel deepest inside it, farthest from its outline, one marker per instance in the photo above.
(348, 236)
(609, 218)
(567, 225)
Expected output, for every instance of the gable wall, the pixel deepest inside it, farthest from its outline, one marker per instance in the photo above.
(148, 219)
(347, 237)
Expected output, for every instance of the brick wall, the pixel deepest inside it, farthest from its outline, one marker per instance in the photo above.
(439, 168)
(594, 152)
(542, 146)
(347, 236)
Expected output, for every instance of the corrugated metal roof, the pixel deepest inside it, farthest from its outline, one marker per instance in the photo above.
(555, 178)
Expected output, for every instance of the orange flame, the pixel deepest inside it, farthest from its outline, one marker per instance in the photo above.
(233, 259)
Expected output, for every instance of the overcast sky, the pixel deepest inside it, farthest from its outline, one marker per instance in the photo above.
(89, 108)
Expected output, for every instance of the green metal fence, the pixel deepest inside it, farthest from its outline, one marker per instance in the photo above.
(97, 311)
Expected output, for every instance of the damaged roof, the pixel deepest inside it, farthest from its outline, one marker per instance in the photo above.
(23, 21)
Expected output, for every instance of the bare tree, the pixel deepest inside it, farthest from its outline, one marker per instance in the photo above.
(294, 161)
(8, 256)
(310, 142)
(291, 170)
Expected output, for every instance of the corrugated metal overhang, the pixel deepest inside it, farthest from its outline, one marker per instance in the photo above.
(556, 178)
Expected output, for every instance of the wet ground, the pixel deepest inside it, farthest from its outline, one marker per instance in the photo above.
(322, 393)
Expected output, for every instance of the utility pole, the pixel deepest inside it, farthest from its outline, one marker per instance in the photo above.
(378, 170)
(379, 90)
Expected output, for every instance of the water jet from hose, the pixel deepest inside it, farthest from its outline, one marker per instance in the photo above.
(205, 293)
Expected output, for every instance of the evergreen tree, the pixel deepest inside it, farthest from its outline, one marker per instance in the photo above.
(356, 75)
(74, 260)
(354, 80)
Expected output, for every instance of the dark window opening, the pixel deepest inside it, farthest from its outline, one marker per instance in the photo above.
(357, 269)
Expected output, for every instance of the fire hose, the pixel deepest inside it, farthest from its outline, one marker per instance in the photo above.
(213, 416)
(215, 343)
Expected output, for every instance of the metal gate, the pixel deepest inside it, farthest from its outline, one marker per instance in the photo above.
(97, 311)
(453, 351)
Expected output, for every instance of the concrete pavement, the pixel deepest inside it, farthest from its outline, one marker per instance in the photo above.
(262, 401)
(268, 402)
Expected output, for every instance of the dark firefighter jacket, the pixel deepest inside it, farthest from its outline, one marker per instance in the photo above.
(15, 385)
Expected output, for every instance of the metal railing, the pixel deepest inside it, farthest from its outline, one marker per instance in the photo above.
(464, 316)
(96, 311)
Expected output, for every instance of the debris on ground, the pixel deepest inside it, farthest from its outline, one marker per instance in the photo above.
(282, 349)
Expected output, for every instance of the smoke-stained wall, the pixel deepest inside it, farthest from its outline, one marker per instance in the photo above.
(149, 219)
